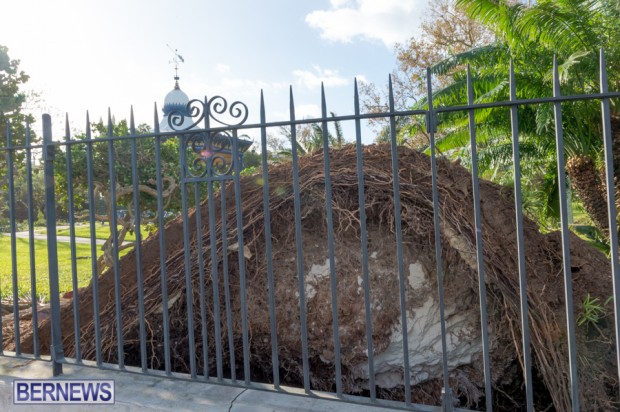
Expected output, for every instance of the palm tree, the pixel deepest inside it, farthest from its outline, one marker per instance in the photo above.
(571, 30)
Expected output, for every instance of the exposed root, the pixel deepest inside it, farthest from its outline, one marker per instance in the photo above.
(545, 289)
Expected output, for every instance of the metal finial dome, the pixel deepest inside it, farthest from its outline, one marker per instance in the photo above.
(176, 100)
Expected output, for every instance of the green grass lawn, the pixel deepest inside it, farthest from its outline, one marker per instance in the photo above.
(82, 261)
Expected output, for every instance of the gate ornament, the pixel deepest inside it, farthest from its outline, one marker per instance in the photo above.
(212, 154)
(212, 151)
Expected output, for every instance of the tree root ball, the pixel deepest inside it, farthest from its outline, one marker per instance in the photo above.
(220, 283)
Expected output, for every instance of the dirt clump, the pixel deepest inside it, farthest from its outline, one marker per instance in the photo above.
(224, 278)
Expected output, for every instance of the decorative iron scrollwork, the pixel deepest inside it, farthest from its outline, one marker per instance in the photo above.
(209, 154)
(216, 109)
(212, 152)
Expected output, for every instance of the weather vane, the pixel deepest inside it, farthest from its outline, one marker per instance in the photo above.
(176, 60)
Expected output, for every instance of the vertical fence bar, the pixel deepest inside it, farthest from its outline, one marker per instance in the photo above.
(216, 281)
(72, 245)
(527, 359)
(268, 251)
(11, 184)
(33, 271)
(364, 244)
(568, 276)
(240, 251)
(138, 241)
(93, 240)
(229, 322)
(8, 134)
(330, 243)
(298, 238)
(188, 270)
(214, 265)
(201, 273)
(49, 149)
(447, 401)
(482, 290)
(611, 201)
(162, 247)
(399, 245)
(114, 232)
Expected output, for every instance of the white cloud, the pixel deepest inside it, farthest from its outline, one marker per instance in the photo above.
(306, 111)
(242, 85)
(222, 68)
(339, 3)
(389, 21)
(313, 79)
(362, 79)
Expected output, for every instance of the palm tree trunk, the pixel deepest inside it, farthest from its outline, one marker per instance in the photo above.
(587, 183)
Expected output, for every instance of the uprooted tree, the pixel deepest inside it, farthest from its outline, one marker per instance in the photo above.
(545, 289)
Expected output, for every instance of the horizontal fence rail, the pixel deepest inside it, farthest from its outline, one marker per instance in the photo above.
(187, 280)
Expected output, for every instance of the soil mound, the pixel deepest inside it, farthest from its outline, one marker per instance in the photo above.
(590, 269)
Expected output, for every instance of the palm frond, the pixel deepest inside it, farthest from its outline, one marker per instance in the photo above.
(560, 25)
(565, 67)
(483, 55)
(544, 118)
(500, 16)
(456, 139)
(498, 92)
(339, 138)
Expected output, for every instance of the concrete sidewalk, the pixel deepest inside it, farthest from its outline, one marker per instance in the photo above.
(139, 392)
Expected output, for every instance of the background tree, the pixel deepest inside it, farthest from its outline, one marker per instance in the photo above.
(145, 150)
(446, 31)
(123, 179)
(571, 30)
(12, 100)
(309, 138)
(123, 183)
(486, 35)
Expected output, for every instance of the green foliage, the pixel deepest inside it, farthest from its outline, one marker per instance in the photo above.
(571, 31)
(11, 102)
(593, 236)
(487, 55)
(310, 138)
(593, 310)
(11, 79)
(251, 159)
(250, 170)
(121, 151)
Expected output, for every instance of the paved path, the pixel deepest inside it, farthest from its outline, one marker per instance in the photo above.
(139, 392)
(66, 239)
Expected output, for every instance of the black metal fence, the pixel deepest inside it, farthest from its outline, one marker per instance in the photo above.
(210, 168)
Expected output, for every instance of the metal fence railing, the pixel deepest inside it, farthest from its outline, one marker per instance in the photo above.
(205, 256)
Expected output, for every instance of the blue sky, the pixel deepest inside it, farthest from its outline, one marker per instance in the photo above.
(94, 54)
